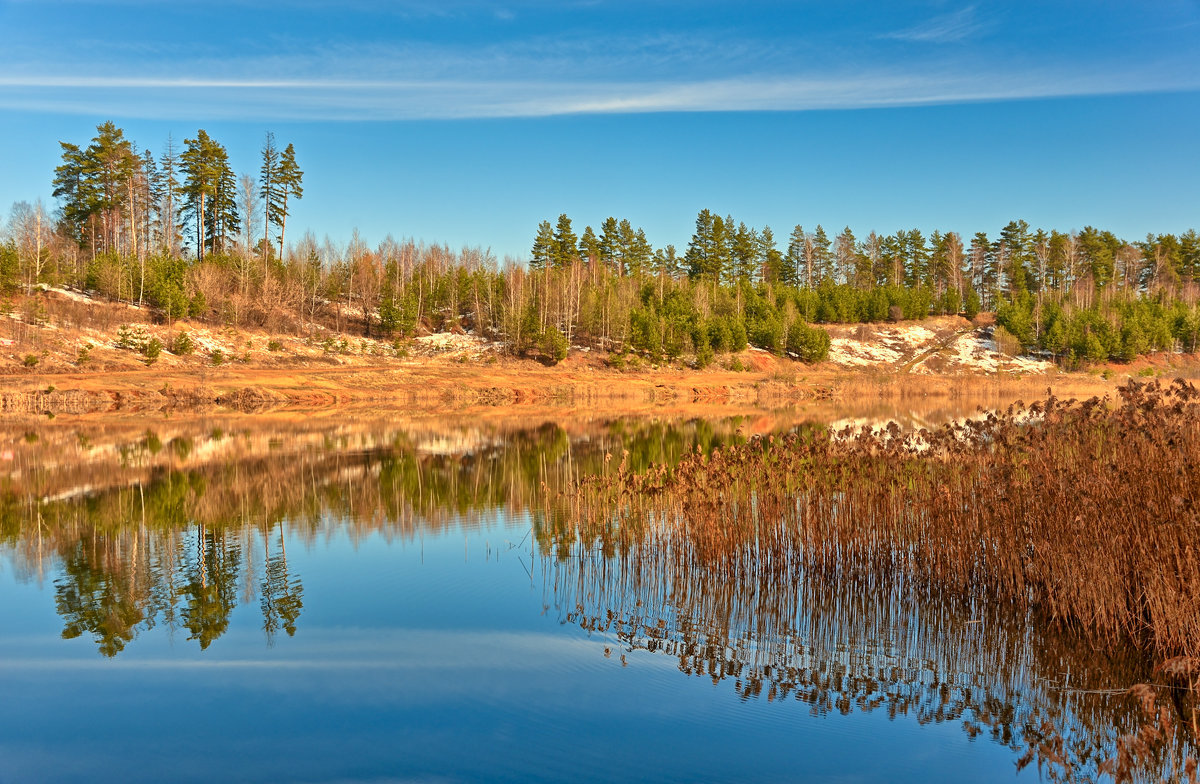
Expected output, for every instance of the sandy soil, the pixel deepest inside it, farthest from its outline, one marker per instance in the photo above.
(88, 363)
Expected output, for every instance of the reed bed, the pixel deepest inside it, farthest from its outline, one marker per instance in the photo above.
(1083, 517)
(1087, 513)
(837, 648)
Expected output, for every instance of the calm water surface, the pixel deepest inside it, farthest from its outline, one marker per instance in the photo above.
(315, 603)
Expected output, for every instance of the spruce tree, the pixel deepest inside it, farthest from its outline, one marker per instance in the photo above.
(225, 222)
(939, 270)
(1098, 249)
(721, 229)
(169, 195)
(150, 196)
(1040, 247)
(640, 254)
(983, 268)
(702, 258)
(543, 247)
(794, 269)
(1189, 256)
(743, 244)
(822, 259)
(916, 255)
(589, 244)
(1058, 266)
(769, 257)
(625, 241)
(726, 232)
(1015, 250)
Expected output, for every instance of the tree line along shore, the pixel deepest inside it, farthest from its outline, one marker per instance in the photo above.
(182, 234)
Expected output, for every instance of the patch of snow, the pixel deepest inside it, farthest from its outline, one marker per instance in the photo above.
(854, 353)
(71, 492)
(448, 340)
(912, 335)
(462, 443)
(975, 351)
(205, 342)
(75, 296)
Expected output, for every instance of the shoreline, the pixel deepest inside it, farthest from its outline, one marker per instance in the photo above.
(99, 361)
(434, 386)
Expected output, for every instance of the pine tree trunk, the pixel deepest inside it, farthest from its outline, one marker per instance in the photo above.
(200, 229)
(282, 224)
(266, 227)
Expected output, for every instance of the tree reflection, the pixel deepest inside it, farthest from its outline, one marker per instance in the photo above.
(173, 546)
(211, 589)
(281, 594)
(183, 548)
(92, 600)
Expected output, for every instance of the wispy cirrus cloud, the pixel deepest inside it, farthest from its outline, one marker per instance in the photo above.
(660, 56)
(359, 99)
(946, 28)
(537, 75)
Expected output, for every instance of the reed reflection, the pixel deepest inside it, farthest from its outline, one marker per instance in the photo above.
(860, 645)
(981, 549)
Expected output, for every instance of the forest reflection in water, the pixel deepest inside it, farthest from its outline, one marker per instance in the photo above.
(153, 535)
(178, 533)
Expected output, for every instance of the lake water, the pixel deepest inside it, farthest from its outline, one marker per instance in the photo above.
(364, 601)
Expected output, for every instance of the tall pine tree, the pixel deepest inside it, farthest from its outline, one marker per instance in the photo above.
(563, 250)
(702, 257)
(269, 190)
(543, 247)
(290, 180)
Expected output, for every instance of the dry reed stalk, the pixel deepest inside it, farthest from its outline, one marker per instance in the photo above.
(1085, 514)
(1087, 511)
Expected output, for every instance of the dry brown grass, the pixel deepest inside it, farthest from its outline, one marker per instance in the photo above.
(1084, 514)
(1088, 512)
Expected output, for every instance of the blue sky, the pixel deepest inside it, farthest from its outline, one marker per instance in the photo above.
(467, 122)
